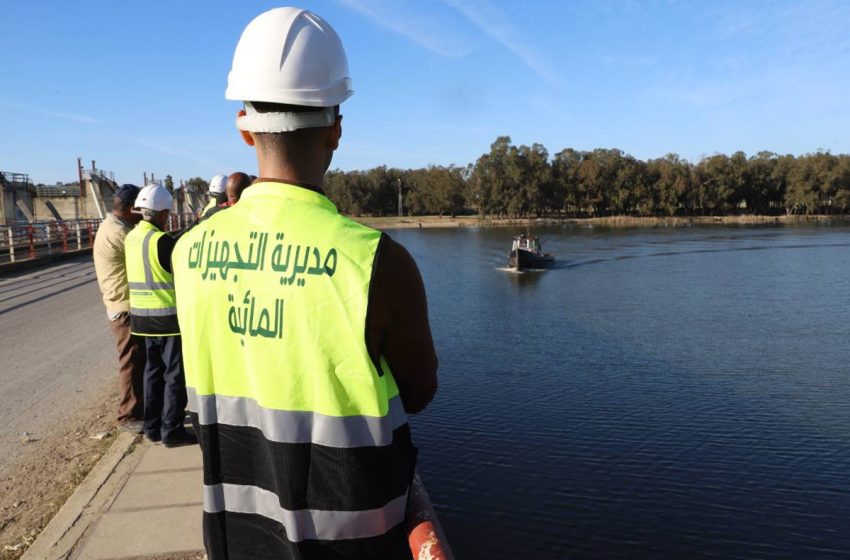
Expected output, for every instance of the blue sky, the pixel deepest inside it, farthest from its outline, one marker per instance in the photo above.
(139, 86)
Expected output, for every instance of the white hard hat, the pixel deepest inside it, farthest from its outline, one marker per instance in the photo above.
(218, 184)
(153, 197)
(288, 56)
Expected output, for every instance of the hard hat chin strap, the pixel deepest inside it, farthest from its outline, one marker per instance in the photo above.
(253, 121)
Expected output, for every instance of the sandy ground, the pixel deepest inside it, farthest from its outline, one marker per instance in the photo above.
(49, 469)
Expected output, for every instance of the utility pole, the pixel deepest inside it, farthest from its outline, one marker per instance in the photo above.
(399, 197)
(146, 179)
(80, 173)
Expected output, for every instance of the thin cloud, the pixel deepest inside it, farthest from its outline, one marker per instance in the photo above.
(495, 24)
(409, 20)
(167, 149)
(69, 116)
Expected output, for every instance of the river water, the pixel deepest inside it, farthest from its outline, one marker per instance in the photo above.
(661, 393)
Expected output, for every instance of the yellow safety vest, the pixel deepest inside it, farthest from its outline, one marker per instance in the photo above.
(153, 310)
(301, 429)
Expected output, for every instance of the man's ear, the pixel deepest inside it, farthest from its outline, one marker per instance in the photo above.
(335, 133)
(246, 136)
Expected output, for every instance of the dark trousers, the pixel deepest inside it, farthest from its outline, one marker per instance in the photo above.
(131, 369)
(165, 387)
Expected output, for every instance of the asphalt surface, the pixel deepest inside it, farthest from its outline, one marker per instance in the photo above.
(56, 350)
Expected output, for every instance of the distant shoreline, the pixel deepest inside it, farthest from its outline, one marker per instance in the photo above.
(408, 222)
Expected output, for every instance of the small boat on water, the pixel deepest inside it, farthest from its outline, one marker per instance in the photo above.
(527, 253)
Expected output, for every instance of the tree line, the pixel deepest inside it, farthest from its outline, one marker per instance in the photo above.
(524, 181)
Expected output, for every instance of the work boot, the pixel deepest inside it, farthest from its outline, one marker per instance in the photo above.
(132, 426)
(179, 439)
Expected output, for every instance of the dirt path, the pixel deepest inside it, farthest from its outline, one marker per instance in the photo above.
(48, 470)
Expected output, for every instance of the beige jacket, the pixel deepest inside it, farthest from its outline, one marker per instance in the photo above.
(109, 264)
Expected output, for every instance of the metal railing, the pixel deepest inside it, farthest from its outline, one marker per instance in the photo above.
(100, 174)
(53, 190)
(40, 239)
(11, 180)
(29, 241)
(177, 222)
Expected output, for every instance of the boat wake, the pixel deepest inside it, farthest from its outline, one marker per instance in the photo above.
(515, 271)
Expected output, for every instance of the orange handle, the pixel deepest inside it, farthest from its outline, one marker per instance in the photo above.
(424, 533)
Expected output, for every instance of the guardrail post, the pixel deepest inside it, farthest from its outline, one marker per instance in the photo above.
(11, 245)
(77, 227)
(47, 235)
(32, 241)
(91, 236)
(64, 237)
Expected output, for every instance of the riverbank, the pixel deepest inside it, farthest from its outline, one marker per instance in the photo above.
(394, 222)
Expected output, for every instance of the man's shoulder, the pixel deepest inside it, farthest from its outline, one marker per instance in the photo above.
(395, 262)
(110, 231)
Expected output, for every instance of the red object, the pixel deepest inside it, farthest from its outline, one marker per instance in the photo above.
(64, 230)
(32, 242)
(424, 533)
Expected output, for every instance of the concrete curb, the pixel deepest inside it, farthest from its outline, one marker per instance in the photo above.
(70, 520)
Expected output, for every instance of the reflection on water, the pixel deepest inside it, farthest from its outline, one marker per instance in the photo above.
(658, 393)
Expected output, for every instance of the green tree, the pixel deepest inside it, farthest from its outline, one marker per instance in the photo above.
(197, 185)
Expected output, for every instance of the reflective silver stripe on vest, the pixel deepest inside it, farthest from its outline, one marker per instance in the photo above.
(151, 286)
(305, 524)
(165, 312)
(149, 283)
(289, 426)
(145, 258)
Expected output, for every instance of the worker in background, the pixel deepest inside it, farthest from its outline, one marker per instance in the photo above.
(153, 315)
(110, 267)
(216, 194)
(306, 334)
(236, 183)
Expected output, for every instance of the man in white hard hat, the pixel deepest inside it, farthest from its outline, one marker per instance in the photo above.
(218, 186)
(153, 315)
(306, 334)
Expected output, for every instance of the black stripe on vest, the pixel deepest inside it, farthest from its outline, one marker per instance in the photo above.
(308, 475)
(244, 536)
(157, 326)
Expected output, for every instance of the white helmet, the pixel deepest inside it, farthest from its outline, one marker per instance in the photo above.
(153, 197)
(218, 184)
(289, 56)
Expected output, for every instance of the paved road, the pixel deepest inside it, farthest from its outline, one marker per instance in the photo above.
(56, 349)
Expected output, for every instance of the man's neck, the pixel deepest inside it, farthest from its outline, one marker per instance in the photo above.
(308, 173)
(122, 219)
(156, 225)
(314, 188)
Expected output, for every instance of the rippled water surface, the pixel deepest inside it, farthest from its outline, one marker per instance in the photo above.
(661, 393)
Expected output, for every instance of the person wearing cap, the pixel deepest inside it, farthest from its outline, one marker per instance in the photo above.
(217, 195)
(111, 271)
(306, 334)
(153, 315)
